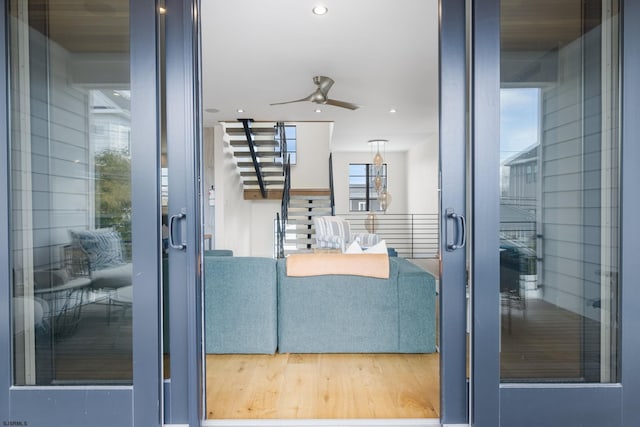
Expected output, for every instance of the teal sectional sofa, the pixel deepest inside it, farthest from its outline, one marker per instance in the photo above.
(252, 306)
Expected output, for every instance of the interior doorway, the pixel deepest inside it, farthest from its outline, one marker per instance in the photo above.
(381, 88)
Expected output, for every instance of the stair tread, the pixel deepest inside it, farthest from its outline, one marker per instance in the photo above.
(268, 186)
(258, 130)
(297, 221)
(306, 203)
(252, 173)
(310, 191)
(304, 209)
(263, 164)
(258, 142)
(310, 213)
(301, 241)
(305, 198)
(258, 154)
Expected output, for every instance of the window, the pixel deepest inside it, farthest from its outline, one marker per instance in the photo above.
(363, 196)
(291, 137)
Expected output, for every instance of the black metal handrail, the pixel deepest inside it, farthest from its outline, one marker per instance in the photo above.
(282, 142)
(280, 236)
(333, 201)
(284, 207)
(254, 157)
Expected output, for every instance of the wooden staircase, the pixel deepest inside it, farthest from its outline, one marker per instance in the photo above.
(304, 204)
(268, 156)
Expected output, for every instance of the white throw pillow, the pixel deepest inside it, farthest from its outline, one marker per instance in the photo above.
(354, 248)
(378, 248)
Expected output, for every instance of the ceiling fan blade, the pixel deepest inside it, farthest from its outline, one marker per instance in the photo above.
(308, 98)
(324, 83)
(342, 104)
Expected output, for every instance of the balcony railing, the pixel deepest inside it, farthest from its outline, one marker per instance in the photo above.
(411, 235)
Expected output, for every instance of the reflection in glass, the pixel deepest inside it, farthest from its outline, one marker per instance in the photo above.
(559, 235)
(71, 192)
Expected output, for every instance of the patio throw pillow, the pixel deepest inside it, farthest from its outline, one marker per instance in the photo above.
(102, 246)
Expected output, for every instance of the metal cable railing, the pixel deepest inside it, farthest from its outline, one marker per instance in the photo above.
(411, 235)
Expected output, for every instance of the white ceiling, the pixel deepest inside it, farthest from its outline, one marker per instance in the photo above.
(382, 54)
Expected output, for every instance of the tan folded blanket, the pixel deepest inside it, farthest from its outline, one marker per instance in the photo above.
(369, 265)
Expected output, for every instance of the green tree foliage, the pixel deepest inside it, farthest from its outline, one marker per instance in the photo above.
(113, 192)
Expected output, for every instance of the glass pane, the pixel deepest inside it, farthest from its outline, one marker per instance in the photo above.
(559, 153)
(71, 192)
(164, 194)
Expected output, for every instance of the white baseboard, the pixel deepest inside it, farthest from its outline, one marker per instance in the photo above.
(407, 422)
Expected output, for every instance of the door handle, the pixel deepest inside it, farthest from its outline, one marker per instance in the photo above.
(460, 233)
(172, 221)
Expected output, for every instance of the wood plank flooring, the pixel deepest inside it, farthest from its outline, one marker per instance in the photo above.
(290, 386)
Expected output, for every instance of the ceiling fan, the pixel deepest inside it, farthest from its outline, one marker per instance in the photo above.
(320, 95)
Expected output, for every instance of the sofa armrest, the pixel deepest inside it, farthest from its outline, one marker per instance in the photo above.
(417, 314)
(240, 300)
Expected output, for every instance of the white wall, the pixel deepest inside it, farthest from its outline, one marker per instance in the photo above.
(231, 230)
(263, 214)
(208, 152)
(396, 178)
(312, 168)
(422, 177)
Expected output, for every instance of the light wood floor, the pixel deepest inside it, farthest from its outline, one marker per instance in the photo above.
(291, 386)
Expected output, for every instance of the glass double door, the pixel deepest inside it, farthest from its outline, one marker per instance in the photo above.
(551, 332)
(80, 259)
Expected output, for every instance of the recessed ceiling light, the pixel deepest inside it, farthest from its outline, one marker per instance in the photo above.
(240, 110)
(320, 10)
(393, 111)
(318, 110)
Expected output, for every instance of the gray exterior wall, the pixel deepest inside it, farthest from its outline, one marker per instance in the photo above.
(571, 178)
(60, 157)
